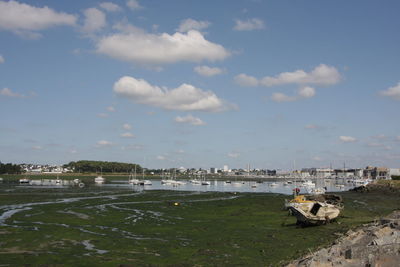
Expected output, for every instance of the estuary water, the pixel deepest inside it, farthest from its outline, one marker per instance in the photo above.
(279, 187)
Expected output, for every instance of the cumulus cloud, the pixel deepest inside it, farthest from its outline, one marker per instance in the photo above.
(185, 97)
(303, 92)
(111, 109)
(281, 97)
(306, 92)
(189, 119)
(127, 135)
(127, 126)
(104, 143)
(110, 7)
(133, 4)
(233, 155)
(249, 25)
(95, 20)
(347, 139)
(191, 24)
(393, 92)
(137, 46)
(9, 93)
(321, 75)
(246, 80)
(1, 59)
(24, 19)
(208, 71)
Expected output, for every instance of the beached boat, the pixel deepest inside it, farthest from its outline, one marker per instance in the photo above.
(24, 181)
(315, 209)
(315, 212)
(99, 180)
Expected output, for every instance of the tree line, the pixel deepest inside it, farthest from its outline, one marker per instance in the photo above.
(9, 168)
(102, 166)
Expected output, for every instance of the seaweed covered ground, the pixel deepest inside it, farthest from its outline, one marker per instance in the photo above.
(110, 227)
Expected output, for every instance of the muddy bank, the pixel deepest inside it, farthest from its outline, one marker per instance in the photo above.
(373, 244)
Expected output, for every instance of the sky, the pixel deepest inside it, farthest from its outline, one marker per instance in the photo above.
(275, 84)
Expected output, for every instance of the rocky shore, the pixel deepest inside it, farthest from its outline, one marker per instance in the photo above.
(374, 244)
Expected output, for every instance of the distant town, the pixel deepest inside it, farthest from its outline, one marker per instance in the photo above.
(369, 172)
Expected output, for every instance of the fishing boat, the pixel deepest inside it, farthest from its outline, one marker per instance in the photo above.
(273, 184)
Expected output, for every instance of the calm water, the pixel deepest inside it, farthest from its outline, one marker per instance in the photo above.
(219, 186)
(240, 186)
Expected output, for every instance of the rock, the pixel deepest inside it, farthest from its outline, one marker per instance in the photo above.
(375, 244)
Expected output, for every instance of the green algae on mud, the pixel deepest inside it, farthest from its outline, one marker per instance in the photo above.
(87, 227)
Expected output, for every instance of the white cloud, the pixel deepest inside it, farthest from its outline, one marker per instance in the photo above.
(103, 143)
(133, 4)
(1, 59)
(95, 20)
(186, 97)
(280, 97)
(37, 148)
(208, 71)
(24, 20)
(321, 75)
(303, 92)
(9, 93)
(306, 92)
(233, 155)
(347, 139)
(246, 80)
(145, 48)
(111, 109)
(393, 92)
(127, 135)
(249, 25)
(398, 138)
(127, 126)
(189, 119)
(110, 7)
(191, 24)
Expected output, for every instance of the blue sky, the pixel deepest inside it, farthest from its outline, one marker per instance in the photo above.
(201, 84)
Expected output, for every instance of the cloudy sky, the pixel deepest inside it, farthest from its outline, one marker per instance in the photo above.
(201, 84)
